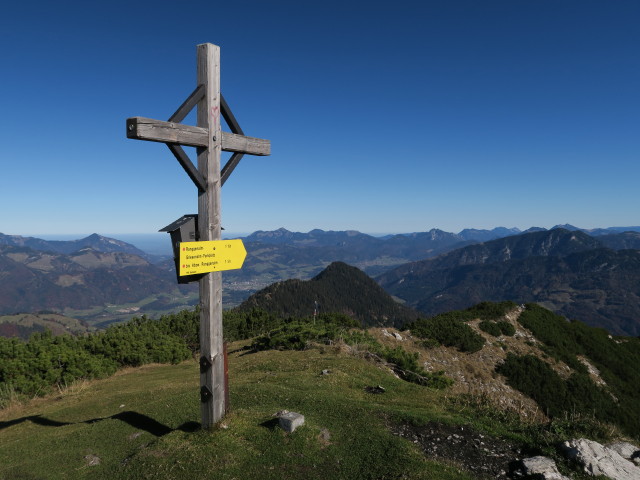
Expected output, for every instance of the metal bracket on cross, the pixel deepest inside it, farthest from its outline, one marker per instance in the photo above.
(205, 394)
(205, 364)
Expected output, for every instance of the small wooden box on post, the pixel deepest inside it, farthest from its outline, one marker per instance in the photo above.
(210, 141)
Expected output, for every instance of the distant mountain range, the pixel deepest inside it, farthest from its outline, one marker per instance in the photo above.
(569, 272)
(94, 241)
(436, 270)
(375, 255)
(32, 280)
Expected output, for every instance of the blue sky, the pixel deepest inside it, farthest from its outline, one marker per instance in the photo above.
(383, 116)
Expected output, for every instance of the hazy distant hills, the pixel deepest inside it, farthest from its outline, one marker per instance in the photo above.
(33, 280)
(569, 272)
(475, 235)
(316, 238)
(338, 288)
(94, 241)
(436, 270)
(355, 246)
(23, 325)
(272, 254)
(434, 238)
(621, 241)
(281, 254)
(279, 249)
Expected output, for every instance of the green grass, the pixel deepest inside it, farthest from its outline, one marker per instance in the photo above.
(144, 423)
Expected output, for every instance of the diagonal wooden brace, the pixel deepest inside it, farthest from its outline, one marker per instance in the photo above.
(188, 104)
(231, 164)
(186, 163)
(228, 116)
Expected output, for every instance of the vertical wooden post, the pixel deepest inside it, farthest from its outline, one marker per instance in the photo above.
(209, 140)
(211, 344)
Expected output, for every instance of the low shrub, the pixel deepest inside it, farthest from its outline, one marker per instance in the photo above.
(490, 327)
(448, 331)
(506, 328)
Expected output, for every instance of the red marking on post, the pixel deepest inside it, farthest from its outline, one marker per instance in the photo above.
(215, 114)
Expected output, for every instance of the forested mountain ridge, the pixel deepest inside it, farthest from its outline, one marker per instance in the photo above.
(338, 288)
(621, 241)
(558, 242)
(567, 271)
(34, 280)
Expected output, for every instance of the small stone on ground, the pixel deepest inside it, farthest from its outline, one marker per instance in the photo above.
(92, 460)
(290, 421)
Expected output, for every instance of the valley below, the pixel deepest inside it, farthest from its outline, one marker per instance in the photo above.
(416, 356)
(592, 276)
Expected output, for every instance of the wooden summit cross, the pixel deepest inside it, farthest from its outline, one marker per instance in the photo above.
(209, 140)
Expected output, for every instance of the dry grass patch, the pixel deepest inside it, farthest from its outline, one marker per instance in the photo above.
(474, 373)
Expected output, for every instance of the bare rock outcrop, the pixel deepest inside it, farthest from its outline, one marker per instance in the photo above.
(543, 468)
(627, 450)
(597, 459)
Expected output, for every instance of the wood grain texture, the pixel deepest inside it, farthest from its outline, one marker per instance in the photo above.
(141, 128)
(243, 144)
(211, 341)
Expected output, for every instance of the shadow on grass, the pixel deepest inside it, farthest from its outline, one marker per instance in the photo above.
(270, 424)
(135, 419)
(246, 350)
(37, 419)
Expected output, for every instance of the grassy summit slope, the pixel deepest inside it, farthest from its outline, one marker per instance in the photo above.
(528, 381)
(143, 423)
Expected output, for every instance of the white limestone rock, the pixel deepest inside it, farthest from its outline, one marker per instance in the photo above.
(597, 459)
(542, 467)
(626, 450)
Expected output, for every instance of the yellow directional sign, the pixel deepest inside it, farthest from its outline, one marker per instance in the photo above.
(211, 256)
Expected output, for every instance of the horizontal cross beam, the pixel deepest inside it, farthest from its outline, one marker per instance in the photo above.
(141, 128)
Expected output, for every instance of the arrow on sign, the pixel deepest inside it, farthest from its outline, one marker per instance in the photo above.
(211, 256)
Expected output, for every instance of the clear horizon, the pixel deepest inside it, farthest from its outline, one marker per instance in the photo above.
(72, 236)
(431, 114)
(159, 243)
